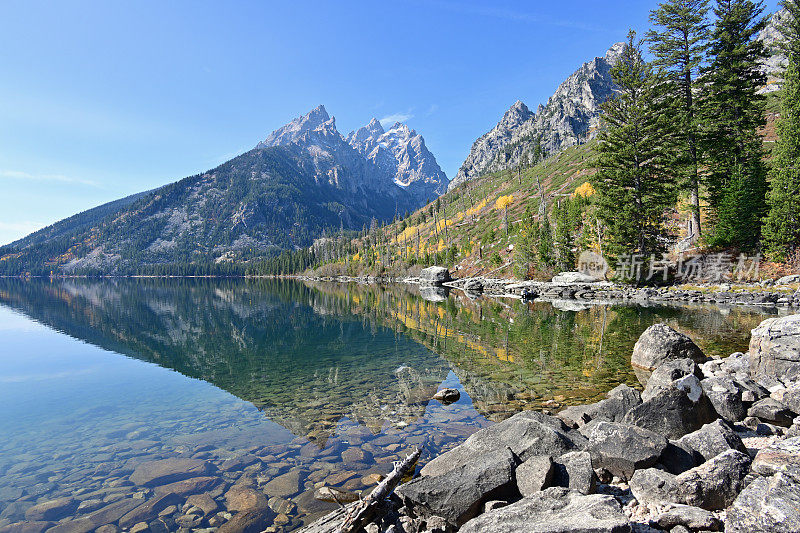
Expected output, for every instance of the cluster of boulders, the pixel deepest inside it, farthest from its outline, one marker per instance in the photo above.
(669, 458)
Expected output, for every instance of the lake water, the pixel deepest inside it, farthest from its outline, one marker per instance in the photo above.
(279, 386)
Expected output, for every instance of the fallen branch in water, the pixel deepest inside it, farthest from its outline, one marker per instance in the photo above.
(371, 507)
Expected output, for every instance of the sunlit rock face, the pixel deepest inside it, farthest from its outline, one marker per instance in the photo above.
(571, 116)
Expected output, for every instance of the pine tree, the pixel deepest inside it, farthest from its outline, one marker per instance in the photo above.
(732, 115)
(679, 42)
(782, 225)
(634, 183)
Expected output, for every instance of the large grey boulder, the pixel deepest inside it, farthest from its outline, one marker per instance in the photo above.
(711, 440)
(712, 485)
(535, 474)
(619, 401)
(459, 495)
(786, 280)
(434, 275)
(555, 510)
(528, 433)
(573, 470)
(622, 449)
(700, 446)
(570, 278)
(767, 505)
(692, 518)
(716, 483)
(658, 344)
(726, 397)
(775, 348)
(654, 486)
(790, 397)
(772, 411)
(674, 412)
(778, 456)
(680, 374)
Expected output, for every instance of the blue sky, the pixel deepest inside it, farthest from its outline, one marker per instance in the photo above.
(101, 99)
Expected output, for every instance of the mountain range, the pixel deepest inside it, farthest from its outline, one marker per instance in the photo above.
(306, 180)
(572, 115)
(303, 180)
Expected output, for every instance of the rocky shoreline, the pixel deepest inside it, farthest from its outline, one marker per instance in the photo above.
(710, 444)
(783, 292)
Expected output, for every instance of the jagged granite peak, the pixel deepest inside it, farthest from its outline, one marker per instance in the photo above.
(488, 145)
(776, 61)
(571, 116)
(292, 131)
(401, 152)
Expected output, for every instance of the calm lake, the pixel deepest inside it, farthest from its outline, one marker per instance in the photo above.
(278, 386)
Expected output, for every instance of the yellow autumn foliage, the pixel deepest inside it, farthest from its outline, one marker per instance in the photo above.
(407, 233)
(585, 190)
(474, 210)
(504, 201)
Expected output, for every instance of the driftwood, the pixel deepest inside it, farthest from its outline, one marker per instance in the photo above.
(373, 506)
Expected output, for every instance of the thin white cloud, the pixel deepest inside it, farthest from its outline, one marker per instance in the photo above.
(388, 120)
(27, 176)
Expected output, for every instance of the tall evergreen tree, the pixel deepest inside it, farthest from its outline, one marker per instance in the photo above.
(678, 43)
(635, 185)
(782, 225)
(732, 115)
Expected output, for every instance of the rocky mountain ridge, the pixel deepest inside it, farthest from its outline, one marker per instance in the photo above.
(402, 153)
(776, 61)
(571, 116)
(374, 156)
(303, 180)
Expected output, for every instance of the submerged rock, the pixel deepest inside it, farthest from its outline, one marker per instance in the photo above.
(163, 471)
(447, 396)
(51, 510)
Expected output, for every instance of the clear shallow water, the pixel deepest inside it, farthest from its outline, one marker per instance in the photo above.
(313, 384)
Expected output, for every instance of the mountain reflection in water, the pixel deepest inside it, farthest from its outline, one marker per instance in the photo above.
(341, 375)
